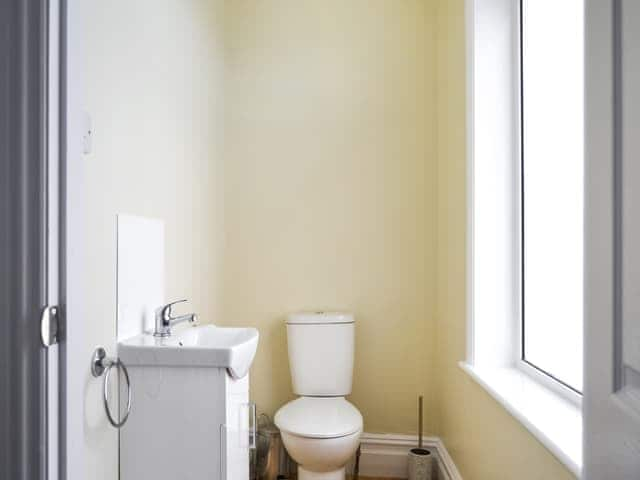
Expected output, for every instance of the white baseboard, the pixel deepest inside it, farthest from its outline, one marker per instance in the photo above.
(385, 455)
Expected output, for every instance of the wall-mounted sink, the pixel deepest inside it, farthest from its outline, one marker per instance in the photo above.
(200, 346)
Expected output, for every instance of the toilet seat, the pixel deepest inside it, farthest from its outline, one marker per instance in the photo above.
(319, 417)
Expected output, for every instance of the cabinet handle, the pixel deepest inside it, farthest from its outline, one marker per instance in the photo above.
(223, 452)
(253, 429)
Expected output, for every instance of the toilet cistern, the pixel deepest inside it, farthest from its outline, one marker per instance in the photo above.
(164, 320)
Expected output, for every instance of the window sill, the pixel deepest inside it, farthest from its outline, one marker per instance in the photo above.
(552, 419)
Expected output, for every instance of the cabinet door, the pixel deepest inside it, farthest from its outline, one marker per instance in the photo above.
(237, 430)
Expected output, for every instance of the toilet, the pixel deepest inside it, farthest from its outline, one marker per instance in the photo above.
(320, 429)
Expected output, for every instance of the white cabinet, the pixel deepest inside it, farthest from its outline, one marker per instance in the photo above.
(186, 423)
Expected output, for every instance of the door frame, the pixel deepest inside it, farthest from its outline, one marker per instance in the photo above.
(55, 247)
(610, 429)
(24, 283)
(73, 368)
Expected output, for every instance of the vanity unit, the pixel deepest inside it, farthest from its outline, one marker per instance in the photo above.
(190, 418)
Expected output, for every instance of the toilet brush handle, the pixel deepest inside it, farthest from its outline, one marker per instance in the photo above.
(420, 421)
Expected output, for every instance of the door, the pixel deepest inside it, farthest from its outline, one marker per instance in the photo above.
(612, 268)
(28, 243)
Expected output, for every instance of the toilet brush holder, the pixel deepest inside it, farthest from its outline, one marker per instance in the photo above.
(420, 464)
(420, 459)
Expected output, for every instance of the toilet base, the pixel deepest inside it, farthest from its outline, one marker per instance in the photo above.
(308, 475)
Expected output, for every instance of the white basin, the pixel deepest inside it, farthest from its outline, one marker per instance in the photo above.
(200, 346)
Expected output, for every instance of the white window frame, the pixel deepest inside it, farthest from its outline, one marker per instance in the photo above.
(547, 408)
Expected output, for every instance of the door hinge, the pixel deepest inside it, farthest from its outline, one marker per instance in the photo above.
(50, 325)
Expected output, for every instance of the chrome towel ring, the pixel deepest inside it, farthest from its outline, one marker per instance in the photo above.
(100, 364)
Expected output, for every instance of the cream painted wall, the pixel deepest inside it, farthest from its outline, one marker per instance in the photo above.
(154, 91)
(485, 441)
(330, 189)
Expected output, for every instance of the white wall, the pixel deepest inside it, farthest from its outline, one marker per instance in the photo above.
(153, 74)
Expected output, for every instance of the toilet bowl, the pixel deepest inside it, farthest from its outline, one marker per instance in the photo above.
(320, 429)
(321, 434)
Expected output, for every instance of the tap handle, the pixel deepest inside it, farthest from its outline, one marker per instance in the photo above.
(166, 309)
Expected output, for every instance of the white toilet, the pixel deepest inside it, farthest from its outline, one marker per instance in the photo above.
(321, 429)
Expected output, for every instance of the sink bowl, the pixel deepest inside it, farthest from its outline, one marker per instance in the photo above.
(199, 346)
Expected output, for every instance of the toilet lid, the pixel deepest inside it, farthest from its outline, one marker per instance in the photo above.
(319, 417)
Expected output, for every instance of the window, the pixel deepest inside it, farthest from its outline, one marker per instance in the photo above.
(525, 238)
(552, 187)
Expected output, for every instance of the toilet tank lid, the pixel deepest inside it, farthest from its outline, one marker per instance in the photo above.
(319, 318)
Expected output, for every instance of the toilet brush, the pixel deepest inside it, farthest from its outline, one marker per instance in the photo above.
(420, 459)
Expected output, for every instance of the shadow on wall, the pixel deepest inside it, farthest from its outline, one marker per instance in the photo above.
(270, 378)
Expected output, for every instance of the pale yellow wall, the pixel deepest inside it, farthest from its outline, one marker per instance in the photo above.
(154, 74)
(329, 189)
(485, 441)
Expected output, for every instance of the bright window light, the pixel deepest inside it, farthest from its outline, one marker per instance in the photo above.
(552, 187)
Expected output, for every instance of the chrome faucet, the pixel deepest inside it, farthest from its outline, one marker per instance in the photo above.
(164, 320)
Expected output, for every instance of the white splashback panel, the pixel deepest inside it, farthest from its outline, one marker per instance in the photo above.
(140, 273)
